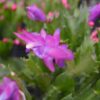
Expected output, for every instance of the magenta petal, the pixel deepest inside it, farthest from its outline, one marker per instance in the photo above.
(30, 15)
(57, 53)
(70, 55)
(16, 96)
(60, 62)
(50, 41)
(23, 37)
(43, 33)
(49, 63)
(64, 46)
(9, 90)
(35, 13)
(57, 36)
(30, 37)
(39, 51)
(60, 53)
(4, 83)
(94, 12)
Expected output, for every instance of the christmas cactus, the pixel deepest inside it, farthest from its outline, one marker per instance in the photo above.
(49, 50)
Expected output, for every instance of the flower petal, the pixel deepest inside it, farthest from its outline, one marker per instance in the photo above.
(35, 13)
(39, 51)
(94, 12)
(23, 37)
(57, 36)
(49, 63)
(9, 90)
(60, 53)
(43, 33)
(60, 62)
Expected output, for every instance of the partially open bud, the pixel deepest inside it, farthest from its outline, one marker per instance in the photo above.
(14, 7)
(91, 23)
(50, 17)
(16, 42)
(5, 40)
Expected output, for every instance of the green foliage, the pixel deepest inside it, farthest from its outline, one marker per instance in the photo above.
(5, 49)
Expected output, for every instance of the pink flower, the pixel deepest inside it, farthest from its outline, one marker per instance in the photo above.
(94, 35)
(91, 23)
(2, 17)
(14, 7)
(6, 7)
(66, 4)
(5, 40)
(16, 42)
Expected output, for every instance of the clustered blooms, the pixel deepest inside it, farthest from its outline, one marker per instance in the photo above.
(47, 47)
(35, 13)
(94, 17)
(7, 6)
(52, 15)
(9, 90)
(94, 14)
(15, 41)
(13, 7)
(94, 35)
